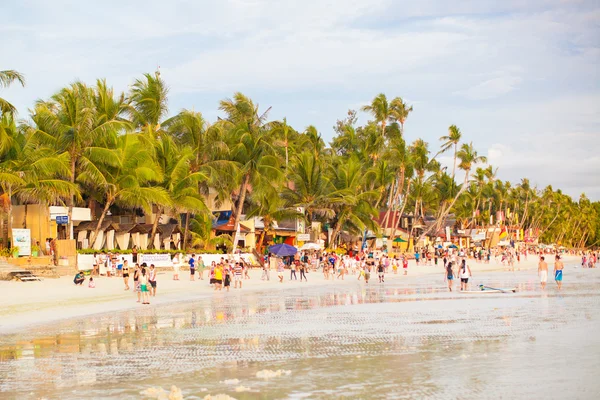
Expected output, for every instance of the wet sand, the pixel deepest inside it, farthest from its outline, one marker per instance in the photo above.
(32, 303)
(406, 338)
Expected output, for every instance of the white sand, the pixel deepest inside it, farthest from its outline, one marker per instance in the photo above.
(28, 303)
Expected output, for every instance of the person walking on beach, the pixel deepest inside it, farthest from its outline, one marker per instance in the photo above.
(380, 272)
(246, 267)
(137, 282)
(543, 272)
(152, 280)
(293, 267)
(192, 263)
(405, 264)
(237, 274)
(367, 271)
(465, 274)
(126, 274)
(280, 268)
(303, 267)
(227, 280)
(558, 271)
(218, 277)
(449, 275)
(144, 287)
(201, 268)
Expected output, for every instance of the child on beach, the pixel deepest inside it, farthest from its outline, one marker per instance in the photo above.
(91, 284)
(144, 287)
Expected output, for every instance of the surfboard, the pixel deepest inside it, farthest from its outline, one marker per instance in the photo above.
(490, 290)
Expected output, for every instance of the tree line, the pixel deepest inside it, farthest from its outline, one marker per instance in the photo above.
(87, 143)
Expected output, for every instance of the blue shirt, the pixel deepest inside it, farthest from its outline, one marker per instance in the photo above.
(192, 261)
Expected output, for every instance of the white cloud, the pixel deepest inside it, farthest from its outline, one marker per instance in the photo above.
(512, 73)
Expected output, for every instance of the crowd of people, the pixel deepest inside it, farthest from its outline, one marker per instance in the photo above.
(234, 269)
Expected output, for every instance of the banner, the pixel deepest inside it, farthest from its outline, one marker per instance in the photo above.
(448, 234)
(22, 239)
(159, 260)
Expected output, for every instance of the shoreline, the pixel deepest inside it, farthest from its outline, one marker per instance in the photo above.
(30, 304)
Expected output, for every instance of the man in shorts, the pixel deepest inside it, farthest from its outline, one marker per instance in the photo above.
(543, 272)
(558, 271)
(192, 263)
(238, 269)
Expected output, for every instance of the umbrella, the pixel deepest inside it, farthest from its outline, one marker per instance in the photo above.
(283, 250)
(452, 246)
(310, 246)
(399, 240)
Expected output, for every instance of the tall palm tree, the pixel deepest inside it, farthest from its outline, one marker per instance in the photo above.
(400, 111)
(380, 109)
(451, 141)
(250, 146)
(7, 78)
(149, 104)
(179, 181)
(70, 123)
(210, 154)
(468, 157)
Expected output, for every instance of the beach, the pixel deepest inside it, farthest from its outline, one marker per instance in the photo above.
(55, 299)
(405, 338)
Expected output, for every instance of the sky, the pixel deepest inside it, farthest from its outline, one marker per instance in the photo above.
(521, 79)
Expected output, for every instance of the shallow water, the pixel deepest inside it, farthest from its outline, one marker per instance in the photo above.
(402, 339)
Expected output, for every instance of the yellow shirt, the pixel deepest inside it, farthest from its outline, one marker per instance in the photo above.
(218, 273)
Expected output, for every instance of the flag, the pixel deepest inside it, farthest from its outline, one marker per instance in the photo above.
(503, 233)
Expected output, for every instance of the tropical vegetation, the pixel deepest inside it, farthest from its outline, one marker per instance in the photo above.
(87, 144)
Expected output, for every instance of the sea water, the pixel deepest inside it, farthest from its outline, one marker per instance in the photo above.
(406, 339)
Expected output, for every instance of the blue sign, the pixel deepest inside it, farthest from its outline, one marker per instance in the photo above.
(62, 219)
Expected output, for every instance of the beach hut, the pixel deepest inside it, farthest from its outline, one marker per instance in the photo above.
(123, 235)
(139, 235)
(170, 236)
(104, 240)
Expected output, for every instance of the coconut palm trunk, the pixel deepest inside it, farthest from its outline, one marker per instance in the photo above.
(159, 212)
(239, 208)
(186, 230)
(99, 223)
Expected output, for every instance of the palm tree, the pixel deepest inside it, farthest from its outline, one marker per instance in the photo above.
(451, 141)
(352, 204)
(250, 146)
(29, 171)
(179, 181)
(310, 187)
(380, 109)
(210, 154)
(7, 78)
(400, 111)
(126, 173)
(468, 157)
(148, 105)
(70, 123)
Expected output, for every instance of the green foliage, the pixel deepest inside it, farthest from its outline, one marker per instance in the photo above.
(88, 144)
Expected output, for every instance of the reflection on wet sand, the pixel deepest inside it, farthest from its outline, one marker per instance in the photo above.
(333, 338)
